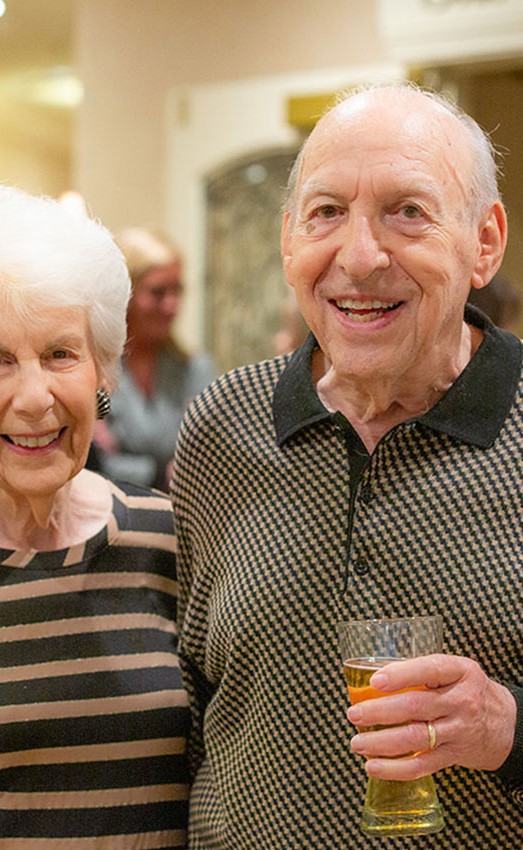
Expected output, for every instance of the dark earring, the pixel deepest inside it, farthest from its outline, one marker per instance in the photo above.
(103, 403)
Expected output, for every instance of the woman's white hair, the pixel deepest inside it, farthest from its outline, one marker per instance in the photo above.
(51, 256)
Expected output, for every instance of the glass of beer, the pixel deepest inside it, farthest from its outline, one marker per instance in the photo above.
(391, 808)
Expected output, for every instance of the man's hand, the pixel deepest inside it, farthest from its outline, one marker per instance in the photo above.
(473, 716)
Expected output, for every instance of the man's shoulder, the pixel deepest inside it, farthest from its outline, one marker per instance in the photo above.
(236, 397)
(253, 383)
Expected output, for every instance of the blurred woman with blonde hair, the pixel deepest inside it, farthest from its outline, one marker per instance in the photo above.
(158, 376)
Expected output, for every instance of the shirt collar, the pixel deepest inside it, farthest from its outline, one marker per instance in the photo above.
(473, 410)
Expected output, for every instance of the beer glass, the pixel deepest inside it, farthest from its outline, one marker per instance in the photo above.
(391, 808)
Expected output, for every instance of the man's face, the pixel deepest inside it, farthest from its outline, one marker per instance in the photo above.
(381, 246)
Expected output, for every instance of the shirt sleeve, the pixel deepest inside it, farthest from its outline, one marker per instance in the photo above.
(511, 771)
(192, 615)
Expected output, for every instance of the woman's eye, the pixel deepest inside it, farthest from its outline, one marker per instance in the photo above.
(59, 356)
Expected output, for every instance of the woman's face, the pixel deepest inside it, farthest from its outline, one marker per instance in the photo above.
(155, 303)
(48, 382)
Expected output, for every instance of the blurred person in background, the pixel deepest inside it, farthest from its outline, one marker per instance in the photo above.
(93, 715)
(500, 301)
(136, 441)
(293, 330)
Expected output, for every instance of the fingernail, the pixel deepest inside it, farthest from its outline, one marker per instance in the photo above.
(378, 680)
(354, 714)
(355, 744)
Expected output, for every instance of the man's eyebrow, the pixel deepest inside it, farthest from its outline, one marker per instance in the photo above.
(311, 190)
(415, 190)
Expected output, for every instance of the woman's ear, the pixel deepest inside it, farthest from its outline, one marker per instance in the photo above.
(492, 240)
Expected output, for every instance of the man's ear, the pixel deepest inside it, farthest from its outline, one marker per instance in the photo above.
(285, 244)
(492, 240)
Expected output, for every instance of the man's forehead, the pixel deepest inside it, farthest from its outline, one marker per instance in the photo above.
(383, 115)
(429, 136)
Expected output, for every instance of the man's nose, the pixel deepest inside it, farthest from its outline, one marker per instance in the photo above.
(361, 251)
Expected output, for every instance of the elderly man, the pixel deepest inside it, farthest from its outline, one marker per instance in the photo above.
(375, 472)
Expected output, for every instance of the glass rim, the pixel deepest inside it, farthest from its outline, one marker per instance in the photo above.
(393, 619)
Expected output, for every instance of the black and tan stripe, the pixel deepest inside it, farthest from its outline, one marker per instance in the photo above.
(93, 715)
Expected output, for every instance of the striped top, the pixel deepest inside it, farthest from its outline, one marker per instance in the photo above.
(93, 717)
(286, 525)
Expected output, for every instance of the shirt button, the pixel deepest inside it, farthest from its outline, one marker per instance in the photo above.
(366, 494)
(361, 566)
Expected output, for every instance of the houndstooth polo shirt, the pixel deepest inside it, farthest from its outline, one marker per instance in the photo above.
(286, 526)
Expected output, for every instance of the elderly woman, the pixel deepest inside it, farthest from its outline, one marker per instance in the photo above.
(159, 377)
(92, 712)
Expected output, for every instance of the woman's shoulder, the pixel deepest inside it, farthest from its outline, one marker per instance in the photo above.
(140, 498)
(142, 517)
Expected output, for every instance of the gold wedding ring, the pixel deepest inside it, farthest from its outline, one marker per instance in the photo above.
(433, 741)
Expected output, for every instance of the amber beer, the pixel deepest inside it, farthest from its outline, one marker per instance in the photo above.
(391, 807)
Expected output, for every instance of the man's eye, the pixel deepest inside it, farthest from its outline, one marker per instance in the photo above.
(322, 219)
(60, 354)
(328, 211)
(410, 211)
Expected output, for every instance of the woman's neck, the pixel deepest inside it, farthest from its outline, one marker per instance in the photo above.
(71, 516)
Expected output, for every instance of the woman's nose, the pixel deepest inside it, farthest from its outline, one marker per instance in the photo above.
(32, 392)
(170, 304)
(361, 251)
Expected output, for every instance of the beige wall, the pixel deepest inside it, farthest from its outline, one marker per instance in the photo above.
(35, 131)
(498, 105)
(131, 53)
(35, 147)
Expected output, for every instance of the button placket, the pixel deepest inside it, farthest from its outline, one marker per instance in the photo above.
(361, 565)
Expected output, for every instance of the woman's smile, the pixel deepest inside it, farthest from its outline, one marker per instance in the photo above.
(31, 442)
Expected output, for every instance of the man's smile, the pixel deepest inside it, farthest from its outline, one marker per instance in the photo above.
(365, 311)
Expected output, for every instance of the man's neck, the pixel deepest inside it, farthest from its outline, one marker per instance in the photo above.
(375, 404)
